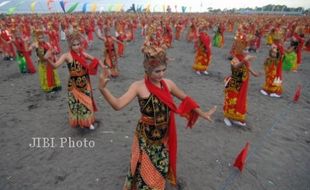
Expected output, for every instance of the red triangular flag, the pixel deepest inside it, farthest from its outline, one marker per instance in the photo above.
(241, 158)
(297, 93)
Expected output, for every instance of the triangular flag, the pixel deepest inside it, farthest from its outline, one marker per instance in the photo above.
(297, 93)
(72, 8)
(62, 5)
(93, 7)
(241, 158)
(84, 7)
(11, 10)
(4, 3)
(32, 6)
(110, 8)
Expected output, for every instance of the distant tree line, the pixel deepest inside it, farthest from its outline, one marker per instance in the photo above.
(265, 9)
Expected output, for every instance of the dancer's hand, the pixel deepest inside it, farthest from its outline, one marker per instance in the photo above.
(207, 115)
(104, 78)
(250, 58)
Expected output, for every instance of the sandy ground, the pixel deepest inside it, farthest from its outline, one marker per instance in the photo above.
(278, 130)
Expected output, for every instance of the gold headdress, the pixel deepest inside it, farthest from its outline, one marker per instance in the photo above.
(240, 43)
(151, 30)
(38, 33)
(299, 30)
(153, 57)
(277, 36)
(75, 35)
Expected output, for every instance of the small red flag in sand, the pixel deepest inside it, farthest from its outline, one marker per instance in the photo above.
(241, 158)
(297, 93)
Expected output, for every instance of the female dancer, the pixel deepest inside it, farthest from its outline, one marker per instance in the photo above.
(81, 103)
(154, 149)
(49, 79)
(236, 85)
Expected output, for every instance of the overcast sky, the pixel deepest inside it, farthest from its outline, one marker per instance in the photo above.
(196, 5)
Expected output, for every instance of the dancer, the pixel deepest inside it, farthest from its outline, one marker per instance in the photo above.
(49, 79)
(80, 95)
(154, 149)
(110, 56)
(203, 54)
(236, 85)
(273, 73)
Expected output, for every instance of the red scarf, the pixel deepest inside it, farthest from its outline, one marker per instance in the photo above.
(185, 110)
(91, 68)
(242, 97)
(280, 62)
(205, 39)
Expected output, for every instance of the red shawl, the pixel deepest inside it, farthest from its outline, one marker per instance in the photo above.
(185, 110)
(91, 68)
(205, 39)
(242, 97)
(280, 62)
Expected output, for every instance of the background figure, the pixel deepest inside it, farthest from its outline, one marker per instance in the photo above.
(203, 54)
(49, 79)
(236, 85)
(218, 39)
(110, 56)
(81, 103)
(273, 73)
(23, 55)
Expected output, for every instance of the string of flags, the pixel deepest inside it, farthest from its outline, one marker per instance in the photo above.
(69, 7)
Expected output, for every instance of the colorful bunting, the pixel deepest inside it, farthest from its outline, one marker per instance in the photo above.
(72, 8)
(84, 7)
(32, 6)
(62, 5)
(4, 3)
(93, 7)
(49, 2)
(110, 8)
(11, 10)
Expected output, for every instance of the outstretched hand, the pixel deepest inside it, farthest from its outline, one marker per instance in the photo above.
(104, 78)
(250, 58)
(207, 115)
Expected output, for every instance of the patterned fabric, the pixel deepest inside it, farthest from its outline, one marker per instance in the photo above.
(149, 156)
(42, 67)
(80, 96)
(270, 66)
(232, 92)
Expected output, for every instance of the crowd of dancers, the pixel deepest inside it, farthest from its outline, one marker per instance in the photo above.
(153, 159)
